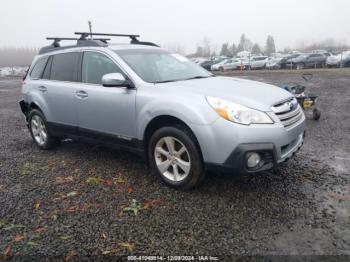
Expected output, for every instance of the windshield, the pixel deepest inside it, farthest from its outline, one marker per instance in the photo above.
(159, 66)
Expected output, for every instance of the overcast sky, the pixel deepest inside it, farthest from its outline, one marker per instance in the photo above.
(27, 23)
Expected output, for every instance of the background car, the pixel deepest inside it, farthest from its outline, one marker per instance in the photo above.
(231, 64)
(287, 61)
(258, 62)
(208, 63)
(273, 63)
(337, 60)
(216, 67)
(310, 60)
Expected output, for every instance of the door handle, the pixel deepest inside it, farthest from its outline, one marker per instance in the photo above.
(42, 88)
(81, 94)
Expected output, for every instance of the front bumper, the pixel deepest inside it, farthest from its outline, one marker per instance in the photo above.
(225, 145)
(237, 160)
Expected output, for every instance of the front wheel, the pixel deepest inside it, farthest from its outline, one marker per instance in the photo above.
(39, 131)
(175, 158)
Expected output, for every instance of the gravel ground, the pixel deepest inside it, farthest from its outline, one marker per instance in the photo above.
(70, 202)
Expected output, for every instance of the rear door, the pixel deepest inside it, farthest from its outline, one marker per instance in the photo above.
(104, 112)
(61, 77)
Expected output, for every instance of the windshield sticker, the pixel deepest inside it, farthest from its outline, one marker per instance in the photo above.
(179, 57)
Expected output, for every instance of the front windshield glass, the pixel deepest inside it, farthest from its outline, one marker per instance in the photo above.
(159, 66)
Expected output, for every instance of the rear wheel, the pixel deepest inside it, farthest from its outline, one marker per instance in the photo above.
(38, 129)
(175, 158)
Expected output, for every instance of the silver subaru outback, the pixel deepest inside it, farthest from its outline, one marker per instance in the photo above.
(143, 98)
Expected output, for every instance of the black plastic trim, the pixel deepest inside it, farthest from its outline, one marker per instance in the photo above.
(236, 161)
(24, 108)
(96, 137)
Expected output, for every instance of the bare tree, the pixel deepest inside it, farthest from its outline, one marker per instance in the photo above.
(225, 50)
(256, 49)
(233, 49)
(270, 45)
(244, 44)
(206, 44)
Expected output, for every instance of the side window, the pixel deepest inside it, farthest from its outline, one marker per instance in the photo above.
(95, 65)
(64, 67)
(38, 68)
(46, 74)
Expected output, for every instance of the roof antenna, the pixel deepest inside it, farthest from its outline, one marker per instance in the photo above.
(90, 29)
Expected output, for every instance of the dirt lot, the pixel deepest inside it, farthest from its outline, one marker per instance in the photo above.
(70, 202)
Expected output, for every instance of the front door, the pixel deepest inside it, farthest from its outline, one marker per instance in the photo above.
(104, 112)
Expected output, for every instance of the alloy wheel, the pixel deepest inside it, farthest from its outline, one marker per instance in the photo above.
(172, 159)
(38, 130)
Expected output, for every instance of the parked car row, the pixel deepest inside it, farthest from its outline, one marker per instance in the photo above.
(339, 60)
(13, 71)
(319, 59)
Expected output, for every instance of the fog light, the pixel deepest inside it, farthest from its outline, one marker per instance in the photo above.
(253, 160)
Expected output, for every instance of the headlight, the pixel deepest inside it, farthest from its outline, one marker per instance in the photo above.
(238, 113)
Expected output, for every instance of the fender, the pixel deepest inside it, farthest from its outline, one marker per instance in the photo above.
(37, 98)
(196, 113)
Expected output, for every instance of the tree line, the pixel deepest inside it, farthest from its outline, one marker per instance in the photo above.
(205, 48)
(11, 56)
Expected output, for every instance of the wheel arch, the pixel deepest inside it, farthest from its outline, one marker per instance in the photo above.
(163, 121)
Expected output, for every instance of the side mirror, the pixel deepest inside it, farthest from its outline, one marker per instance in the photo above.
(115, 80)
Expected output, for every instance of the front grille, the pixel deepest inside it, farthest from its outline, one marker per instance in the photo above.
(289, 112)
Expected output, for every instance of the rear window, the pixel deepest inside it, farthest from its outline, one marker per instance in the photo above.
(64, 67)
(38, 68)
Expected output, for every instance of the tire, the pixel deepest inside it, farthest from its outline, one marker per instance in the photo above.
(316, 114)
(159, 156)
(37, 132)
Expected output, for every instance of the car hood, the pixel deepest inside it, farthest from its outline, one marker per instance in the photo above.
(249, 93)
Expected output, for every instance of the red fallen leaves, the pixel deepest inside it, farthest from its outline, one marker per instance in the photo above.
(151, 203)
(64, 180)
(130, 190)
(70, 255)
(52, 164)
(62, 196)
(7, 249)
(40, 230)
(121, 212)
(83, 208)
(19, 238)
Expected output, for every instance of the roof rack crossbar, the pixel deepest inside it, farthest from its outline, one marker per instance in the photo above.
(84, 35)
(56, 40)
(134, 40)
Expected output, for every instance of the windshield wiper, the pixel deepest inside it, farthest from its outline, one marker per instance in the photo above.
(165, 81)
(176, 80)
(197, 77)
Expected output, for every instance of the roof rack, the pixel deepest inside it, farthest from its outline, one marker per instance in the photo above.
(83, 40)
(134, 40)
